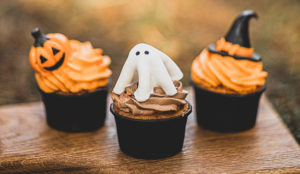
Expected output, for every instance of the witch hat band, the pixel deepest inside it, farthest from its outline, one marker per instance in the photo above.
(238, 34)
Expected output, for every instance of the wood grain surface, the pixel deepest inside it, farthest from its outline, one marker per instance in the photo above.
(27, 144)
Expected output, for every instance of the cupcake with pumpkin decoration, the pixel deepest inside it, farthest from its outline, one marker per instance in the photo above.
(73, 79)
(228, 80)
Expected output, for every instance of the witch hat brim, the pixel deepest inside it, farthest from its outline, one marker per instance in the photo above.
(238, 34)
(255, 57)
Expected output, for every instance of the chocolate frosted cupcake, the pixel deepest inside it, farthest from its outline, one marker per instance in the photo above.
(72, 78)
(228, 80)
(149, 105)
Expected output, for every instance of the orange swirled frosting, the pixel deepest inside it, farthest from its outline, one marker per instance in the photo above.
(226, 74)
(84, 68)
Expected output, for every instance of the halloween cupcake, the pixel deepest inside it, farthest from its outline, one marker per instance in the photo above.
(73, 79)
(228, 80)
(149, 105)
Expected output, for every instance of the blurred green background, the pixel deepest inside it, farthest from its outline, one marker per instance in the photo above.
(179, 28)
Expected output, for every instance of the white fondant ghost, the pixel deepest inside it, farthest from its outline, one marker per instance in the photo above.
(151, 68)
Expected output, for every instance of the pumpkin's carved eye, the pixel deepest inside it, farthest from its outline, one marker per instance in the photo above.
(43, 59)
(55, 51)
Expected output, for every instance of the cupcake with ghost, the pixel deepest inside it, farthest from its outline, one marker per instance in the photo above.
(73, 79)
(228, 80)
(149, 105)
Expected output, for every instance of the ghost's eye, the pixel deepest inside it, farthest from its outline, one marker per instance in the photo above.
(43, 59)
(137, 53)
(147, 52)
(55, 51)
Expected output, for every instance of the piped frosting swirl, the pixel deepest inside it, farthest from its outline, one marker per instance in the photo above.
(84, 68)
(226, 74)
(159, 105)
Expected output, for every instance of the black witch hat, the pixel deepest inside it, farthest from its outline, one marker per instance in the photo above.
(39, 38)
(238, 34)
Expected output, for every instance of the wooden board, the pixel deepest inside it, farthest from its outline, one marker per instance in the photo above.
(27, 144)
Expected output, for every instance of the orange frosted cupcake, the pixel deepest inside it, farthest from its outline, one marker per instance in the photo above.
(228, 79)
(73, 79)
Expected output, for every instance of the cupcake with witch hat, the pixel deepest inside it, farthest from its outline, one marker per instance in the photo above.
(228, 80)
(73, 79)
(149, 105)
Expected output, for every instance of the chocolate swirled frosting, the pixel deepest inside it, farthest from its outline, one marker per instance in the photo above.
(158, 106)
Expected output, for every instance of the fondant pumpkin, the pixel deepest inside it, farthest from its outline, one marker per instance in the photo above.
(49, 52)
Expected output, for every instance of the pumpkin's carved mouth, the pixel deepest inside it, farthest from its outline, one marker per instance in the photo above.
(57, 65)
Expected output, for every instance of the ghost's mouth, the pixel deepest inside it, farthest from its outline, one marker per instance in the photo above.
(57, 65)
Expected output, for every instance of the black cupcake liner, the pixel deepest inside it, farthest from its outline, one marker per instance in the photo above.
(76, 113)
(226, 112)
(151, 139)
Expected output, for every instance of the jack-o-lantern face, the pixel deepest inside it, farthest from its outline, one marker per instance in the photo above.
(49, 51)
